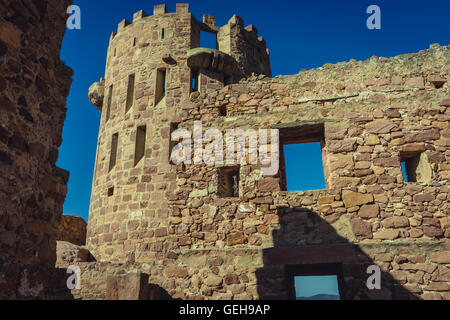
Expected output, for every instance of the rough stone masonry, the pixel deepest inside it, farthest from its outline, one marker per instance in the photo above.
(197, 234)
(158, 230)
(34, 84)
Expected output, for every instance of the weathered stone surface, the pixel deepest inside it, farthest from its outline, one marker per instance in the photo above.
(339, 161)
(353, 199)
(72, 229)
(176, 273)
(380, 126)
(387, 234)
(269, 185)
(342, 146)
(213, 281)
(34, 84)
(97, 93)
(203, 231)
(236, 239)
(68, 253)
(369, 211)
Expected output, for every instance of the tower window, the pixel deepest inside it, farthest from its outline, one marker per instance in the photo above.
(160, 92)
(163, 35)
(108, 105)
(130, 92)
(194, 80)
(134, 42)
(229, 182)
(140, 144)
(113, 158)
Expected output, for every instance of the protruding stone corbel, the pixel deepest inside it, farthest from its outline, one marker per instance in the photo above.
(97, 94)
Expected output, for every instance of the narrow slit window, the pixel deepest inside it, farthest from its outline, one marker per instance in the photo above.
(113, 157)
(130, 92)
(115, 52)
(228, 182)
(302, 145)
(163, 35)
(108, 105)
(134, 42)
(111, 192)
(315, 282)
(160, 85)
(194, 80)
(140, 144)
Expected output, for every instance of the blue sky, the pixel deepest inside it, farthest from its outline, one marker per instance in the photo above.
(300, 34)
(312, 285)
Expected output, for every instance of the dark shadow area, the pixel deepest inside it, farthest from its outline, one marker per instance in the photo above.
(307, 245)
(134, 286)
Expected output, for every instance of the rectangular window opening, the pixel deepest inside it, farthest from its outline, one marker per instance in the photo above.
(160, 92)
(208, 40)
(111, 192)
(140, 144)
(315, 282)
(194, 80)
(115, 52)
(415, 167)
(113, 157)
(130, 92)
(163, 35)
(301, 158)
(228, 182)
(108, 105)
(227, 80)
(134, 42)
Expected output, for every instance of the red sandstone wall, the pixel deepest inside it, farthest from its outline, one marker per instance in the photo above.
(34, 84)
(72, 229)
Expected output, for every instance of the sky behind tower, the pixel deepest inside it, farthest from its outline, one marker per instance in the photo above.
(299, 35)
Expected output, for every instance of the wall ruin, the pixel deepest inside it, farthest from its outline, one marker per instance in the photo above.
(34, 84)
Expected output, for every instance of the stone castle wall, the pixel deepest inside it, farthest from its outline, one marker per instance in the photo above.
(369, 116)
(34, 84)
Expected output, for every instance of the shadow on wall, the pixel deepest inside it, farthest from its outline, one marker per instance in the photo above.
(134, 286)
(295, 254)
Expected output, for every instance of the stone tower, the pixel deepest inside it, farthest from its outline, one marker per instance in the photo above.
(154, 65)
